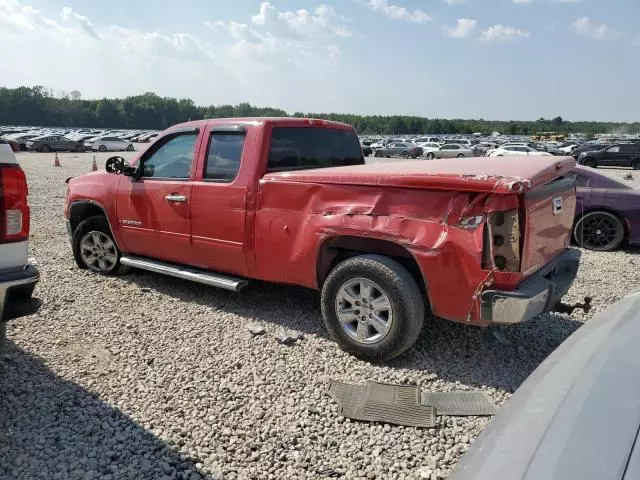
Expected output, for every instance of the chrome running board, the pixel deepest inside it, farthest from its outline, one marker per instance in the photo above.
(186, 273)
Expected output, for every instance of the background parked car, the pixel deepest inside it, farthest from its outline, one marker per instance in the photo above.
(517, 150)
(623, 155)
(588, 147)
(366, 150)
(104, 144)
(404, 150)
(607, 212)
(451, 151)
(55, 143)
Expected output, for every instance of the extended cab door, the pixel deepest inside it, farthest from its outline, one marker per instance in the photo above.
(154, 212)
(219, 200)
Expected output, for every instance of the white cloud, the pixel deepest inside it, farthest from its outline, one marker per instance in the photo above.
(585, 27)
(302, 23)
(80, 20)
(396, 12)
(502, 33)
(463, 29)
(16, 16)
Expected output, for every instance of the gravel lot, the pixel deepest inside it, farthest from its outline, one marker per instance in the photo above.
(150, 377)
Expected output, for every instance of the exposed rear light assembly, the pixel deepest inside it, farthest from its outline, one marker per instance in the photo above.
(502, 241)
(14, 210)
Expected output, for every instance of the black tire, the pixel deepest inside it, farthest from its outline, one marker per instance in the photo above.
(460, 155)
(590, 162)
(79, 148)
(636, 164)
(131, 148)
(97, 223)
(404, 154)
(3, 340)
(102, 148)
(610, 225)
(431, 155)
(407, 305)
(45, 148)
(377, 154)
(23, 292)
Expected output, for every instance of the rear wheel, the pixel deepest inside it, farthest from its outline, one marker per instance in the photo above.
(130, 148)
(102, 148)
(378, 154)
(3, 340)
(430, 156)
(460, 155)
(404, 154)
(590, 162)
(636, 164)
(599, 231)
(45, 148)
(95, 249)
(79, 148)
(372, 307)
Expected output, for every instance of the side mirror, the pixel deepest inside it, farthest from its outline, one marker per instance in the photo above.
(119, 166)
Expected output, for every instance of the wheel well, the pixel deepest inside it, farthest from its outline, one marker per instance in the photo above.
(607, 210)
(337, 249)
(83, 210)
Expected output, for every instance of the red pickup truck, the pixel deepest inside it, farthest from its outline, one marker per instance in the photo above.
(478, 241)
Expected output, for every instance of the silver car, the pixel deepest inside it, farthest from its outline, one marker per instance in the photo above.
(577, 416)
(451, 151)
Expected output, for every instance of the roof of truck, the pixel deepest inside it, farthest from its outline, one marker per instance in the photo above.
(281, 121)
(499, 175)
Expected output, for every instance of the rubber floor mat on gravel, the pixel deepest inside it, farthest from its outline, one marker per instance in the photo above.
(459, 404)
(379, 402)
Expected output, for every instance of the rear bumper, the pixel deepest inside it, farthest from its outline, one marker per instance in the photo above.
(15, 277)
(536, 295)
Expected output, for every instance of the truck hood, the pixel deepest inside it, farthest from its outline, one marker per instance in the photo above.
(577, 416)
(498, 175)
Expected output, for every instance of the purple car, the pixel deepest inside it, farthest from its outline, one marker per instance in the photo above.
(607, 212)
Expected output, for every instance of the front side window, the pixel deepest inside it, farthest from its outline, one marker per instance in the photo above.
(299, 148)
(224, 156)
(171, 158)
(613, 150)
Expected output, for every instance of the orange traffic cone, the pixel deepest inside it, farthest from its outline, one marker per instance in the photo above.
(94, 165)
(56, 162)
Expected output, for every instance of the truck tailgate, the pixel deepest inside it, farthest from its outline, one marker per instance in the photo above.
(548, 220)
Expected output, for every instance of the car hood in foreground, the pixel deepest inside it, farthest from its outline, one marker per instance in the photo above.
(577, 416)
(499, 175)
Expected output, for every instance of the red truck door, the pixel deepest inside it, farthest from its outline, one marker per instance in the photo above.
(154, 213)
(219, 196)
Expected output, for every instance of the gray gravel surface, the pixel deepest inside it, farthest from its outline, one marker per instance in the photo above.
(150, 377)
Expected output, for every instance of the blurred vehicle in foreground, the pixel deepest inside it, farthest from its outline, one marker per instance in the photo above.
(577, 416)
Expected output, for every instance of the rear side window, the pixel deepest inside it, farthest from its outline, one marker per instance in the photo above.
(306, 147)
(224, 156)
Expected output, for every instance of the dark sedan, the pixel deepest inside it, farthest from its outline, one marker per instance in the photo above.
(607, 212)
(404, 150)
(57, 143)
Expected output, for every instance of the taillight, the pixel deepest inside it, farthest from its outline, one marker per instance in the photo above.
(503, 240)
(14, 210)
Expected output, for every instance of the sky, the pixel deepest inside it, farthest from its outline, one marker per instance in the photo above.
(490, 59)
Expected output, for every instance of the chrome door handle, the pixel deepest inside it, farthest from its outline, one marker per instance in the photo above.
(175, 198)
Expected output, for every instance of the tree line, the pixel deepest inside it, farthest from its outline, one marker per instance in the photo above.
(43, 107)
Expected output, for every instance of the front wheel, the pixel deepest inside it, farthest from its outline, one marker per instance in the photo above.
(636, 164)
(130, 148)
(102, 148)
(460, 155)
(430, 156)
(45, 148)
(95, 249)
(404, 154)
(79, 148)
(372, 307)
(599, 231)
(378, 154)
(590, 162)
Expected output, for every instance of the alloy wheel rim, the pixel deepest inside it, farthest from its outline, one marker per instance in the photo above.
(98, 251)
(598, 232)
(364, 310)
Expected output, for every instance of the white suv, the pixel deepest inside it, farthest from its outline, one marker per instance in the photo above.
(18, 277)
